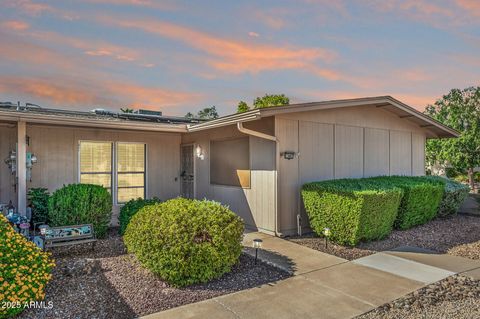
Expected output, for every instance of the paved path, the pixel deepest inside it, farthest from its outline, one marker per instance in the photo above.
(324, 286)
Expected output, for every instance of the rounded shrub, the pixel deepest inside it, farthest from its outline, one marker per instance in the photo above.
(25, 270)
(185, 241)
(38, 198)
(81, 204)
(131, 208)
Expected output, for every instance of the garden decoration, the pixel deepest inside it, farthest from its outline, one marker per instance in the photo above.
(21, 224)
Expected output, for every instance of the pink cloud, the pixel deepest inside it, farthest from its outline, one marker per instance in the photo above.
(16, 25)
(61, 91)
(33, 8)
(253, 34)
(232, 56)
(161, 5)
(471, 6)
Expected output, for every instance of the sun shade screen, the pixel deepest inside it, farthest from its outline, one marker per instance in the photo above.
(230, 162)
(130, 171)
(96, 163)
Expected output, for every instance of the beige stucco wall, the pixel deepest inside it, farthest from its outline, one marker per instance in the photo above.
(256, 205)
(8, 137)
(57, 151)
(338, 143)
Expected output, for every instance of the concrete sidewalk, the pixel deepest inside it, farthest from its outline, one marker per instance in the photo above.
(324, 286)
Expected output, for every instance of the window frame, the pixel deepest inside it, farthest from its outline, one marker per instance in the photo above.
(116, 202)
(114, 171)
(112, 158)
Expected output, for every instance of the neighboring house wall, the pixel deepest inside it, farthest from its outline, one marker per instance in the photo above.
(8, 137)
(339, 143)
(256, 205)
(57, 152)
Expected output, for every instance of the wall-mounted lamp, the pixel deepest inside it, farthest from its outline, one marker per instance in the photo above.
(199, 152)
(288, 155)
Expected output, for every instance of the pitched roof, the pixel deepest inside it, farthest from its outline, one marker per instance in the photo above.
(106, 119)
(388, 103)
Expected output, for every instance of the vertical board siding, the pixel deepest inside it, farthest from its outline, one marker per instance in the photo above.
(8, 136)
(316, 145)
(348, 151)
(418, 155)
(341, 143)
(400, 153)
(377, 152)
(255, 205)
(288, 190)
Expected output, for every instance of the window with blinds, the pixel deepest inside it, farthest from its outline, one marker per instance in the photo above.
(130, 171)
(96, 163)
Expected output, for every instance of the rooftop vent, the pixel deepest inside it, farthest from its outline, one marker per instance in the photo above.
(148, 112)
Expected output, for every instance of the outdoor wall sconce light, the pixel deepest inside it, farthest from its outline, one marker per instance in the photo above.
(288, 155)
(326, 233)
(199, 152)
(257, 243)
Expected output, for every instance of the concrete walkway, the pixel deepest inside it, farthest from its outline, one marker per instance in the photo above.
(324, 286)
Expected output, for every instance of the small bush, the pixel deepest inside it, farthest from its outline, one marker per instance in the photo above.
(453, 196)
(131, 208)
(420, 201)
(185, 241)
(81, 204)
(24, 271)
(38, 198)
(353, 209)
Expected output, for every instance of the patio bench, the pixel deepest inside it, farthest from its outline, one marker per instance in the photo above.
(70, 235)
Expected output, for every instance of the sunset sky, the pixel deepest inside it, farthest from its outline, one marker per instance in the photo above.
(180, 56)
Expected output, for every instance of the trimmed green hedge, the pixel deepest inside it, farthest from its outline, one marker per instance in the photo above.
(81, 204)
(353, 209)
(420, 201)
(131, 208)
(185, 241)
(453, 197)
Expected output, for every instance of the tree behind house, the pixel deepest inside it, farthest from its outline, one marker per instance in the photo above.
(208, 113)
(459, 109)
(268, 100)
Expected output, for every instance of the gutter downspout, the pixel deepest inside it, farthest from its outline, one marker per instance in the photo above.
(274, 139)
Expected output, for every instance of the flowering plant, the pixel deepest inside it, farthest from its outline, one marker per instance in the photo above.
(25, 270)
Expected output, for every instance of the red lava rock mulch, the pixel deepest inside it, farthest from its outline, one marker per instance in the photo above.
(109, 283)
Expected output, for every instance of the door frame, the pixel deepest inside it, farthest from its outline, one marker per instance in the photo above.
(194, 161)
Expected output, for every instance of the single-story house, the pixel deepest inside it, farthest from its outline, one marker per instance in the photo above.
(255, 162)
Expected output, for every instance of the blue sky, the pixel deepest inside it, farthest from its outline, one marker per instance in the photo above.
(180, 56)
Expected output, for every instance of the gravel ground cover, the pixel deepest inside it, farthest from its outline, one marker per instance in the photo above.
(108, 283)
(458, 235)
(454, 297)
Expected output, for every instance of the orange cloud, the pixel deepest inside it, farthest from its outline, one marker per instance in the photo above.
(471, 6)
(15, 25)
(68, 92)
(232, 56)
(35, 9)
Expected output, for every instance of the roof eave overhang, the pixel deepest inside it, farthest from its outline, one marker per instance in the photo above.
(434, 128)
(94, 123)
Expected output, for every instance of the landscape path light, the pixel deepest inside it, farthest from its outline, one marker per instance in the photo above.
(326, 233)
(257, 243)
